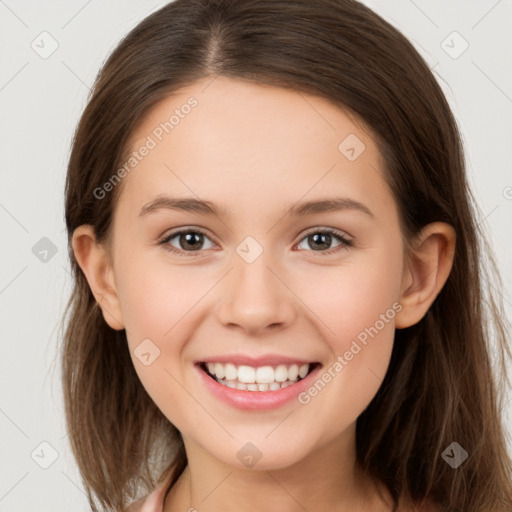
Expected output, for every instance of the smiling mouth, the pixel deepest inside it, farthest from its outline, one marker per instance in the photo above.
(262, 378)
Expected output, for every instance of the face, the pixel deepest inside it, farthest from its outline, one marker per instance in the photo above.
(253, 286)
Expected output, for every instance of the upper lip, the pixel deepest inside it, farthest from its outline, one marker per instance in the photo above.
(266, 360)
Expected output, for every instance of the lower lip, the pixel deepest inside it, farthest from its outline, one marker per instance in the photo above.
(256, 400)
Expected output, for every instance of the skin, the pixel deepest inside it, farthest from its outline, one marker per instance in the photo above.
(256, 150)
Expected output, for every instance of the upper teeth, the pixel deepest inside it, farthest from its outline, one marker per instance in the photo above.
(260, 375)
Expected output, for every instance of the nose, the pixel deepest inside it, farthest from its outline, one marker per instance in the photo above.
(256, 298)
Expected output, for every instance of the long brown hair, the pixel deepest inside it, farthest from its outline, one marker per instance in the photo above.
(443, 384)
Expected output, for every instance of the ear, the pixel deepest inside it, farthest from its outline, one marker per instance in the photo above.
(94, 260)
(426, 271)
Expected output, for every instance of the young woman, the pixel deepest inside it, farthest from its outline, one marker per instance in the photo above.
(279, 297)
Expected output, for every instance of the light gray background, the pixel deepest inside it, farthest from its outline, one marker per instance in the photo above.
(41, 100)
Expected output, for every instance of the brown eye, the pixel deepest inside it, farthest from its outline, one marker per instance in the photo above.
(187, 240)
(191, 241)
(321, 240)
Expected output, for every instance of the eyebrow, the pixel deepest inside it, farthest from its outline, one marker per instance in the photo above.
(190, 204)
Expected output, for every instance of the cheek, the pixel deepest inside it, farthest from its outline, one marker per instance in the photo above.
(368, 305)
(353, 296)
(156, 297)
(357, 304)
(158, 304)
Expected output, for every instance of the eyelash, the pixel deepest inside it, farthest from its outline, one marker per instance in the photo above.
(344, 241)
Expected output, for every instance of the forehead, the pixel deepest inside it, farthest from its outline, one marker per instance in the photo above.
(272, 115)
(239, 142)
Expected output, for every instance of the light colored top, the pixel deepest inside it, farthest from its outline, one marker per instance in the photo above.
(153, 502)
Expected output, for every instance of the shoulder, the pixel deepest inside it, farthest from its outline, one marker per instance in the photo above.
(136, 506)
(153, 502)
(429, 506)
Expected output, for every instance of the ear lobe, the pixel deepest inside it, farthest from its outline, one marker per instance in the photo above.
(429, 264)
(94, 260)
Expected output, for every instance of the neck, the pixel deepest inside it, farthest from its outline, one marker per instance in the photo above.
(326, 480)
